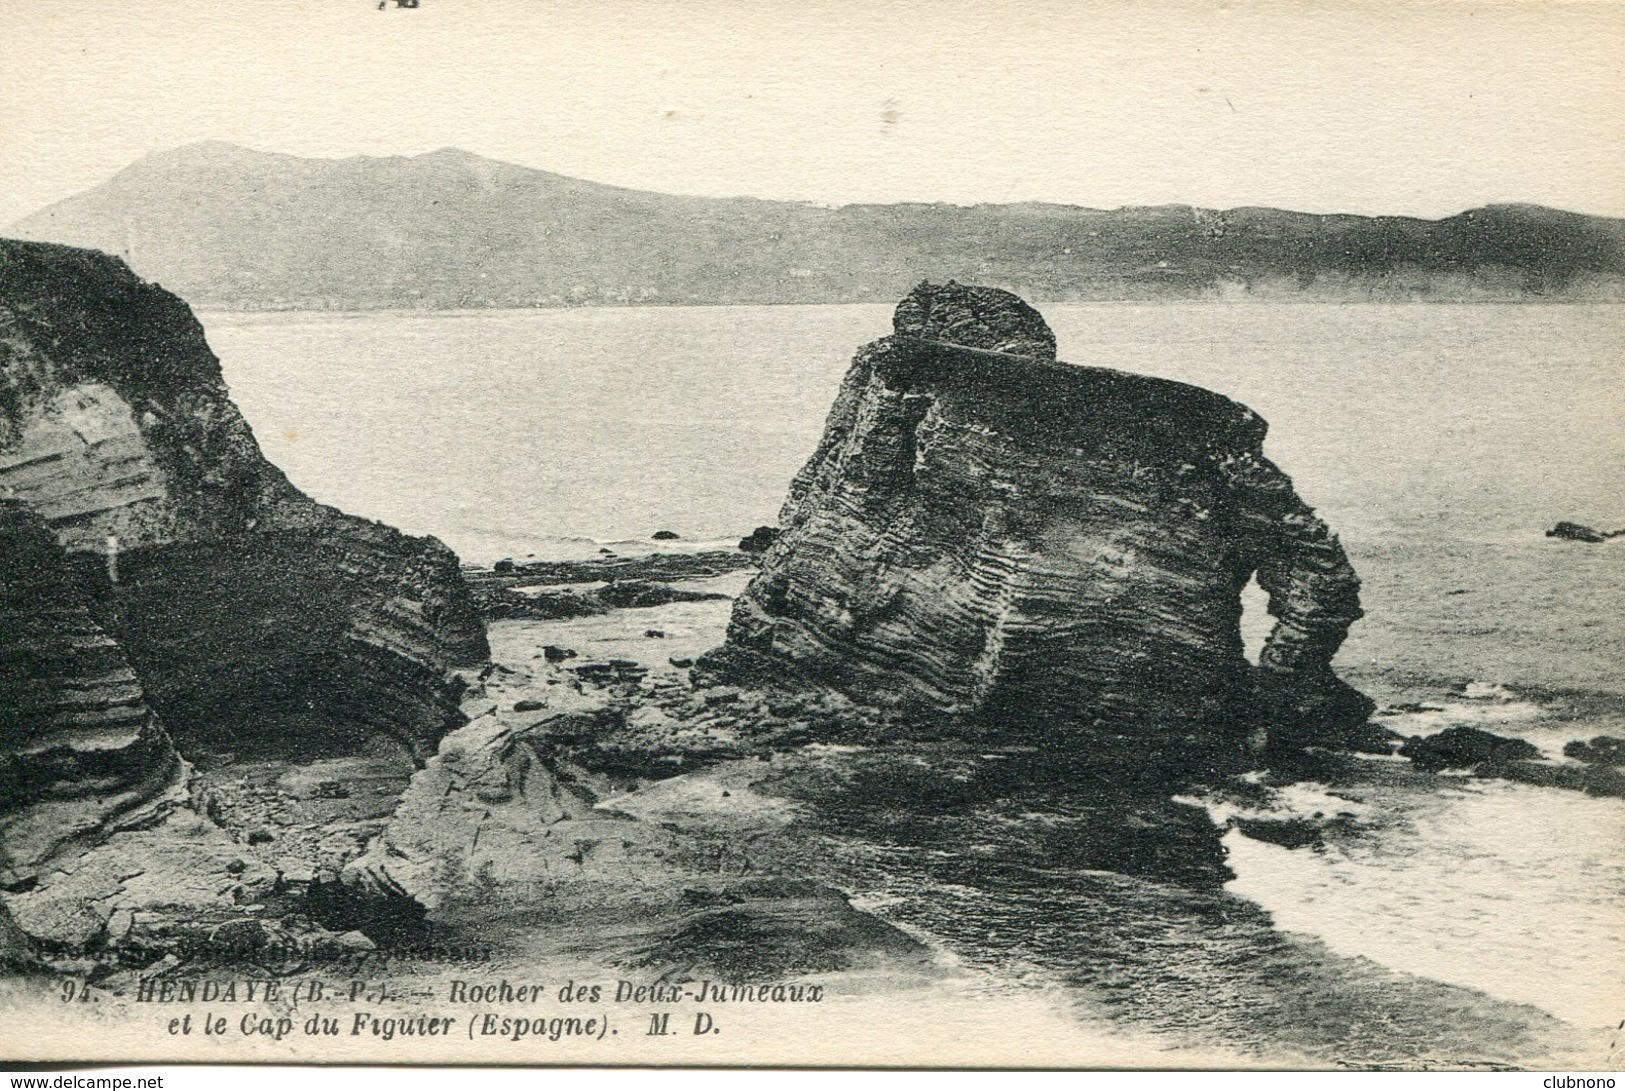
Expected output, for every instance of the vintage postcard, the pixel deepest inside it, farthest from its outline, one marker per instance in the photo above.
(1019, 534)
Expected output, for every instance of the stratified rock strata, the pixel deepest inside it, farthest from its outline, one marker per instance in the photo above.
(83, 752)
(251, 614)
(985, 532)
(159, 581)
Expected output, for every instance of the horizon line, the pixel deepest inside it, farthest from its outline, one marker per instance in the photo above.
(807, 202)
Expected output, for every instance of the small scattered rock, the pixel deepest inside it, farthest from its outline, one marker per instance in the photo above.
(120, 925)
(666, 536)
(1465, 748)
(1595, 780)
(758, 540)
(655, 634)
(529, 705)
(626, 594)
(260, 836)
(1579, 532)
(506, 604)
(602, 672)
(1289, 833)
(1601, 750)
(329, 789)
(503, 565)
(553, 653)
(681, 661)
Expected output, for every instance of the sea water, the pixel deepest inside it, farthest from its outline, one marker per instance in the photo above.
(1439, 441)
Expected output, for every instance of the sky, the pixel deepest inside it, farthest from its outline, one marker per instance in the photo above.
(1422, 108)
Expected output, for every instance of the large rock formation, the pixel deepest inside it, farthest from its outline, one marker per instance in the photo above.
(157, 573)
(116, 428)
(987, 533)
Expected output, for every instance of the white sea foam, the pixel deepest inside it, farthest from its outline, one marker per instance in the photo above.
(1506, 888)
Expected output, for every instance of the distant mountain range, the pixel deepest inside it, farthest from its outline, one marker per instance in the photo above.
(226, 227)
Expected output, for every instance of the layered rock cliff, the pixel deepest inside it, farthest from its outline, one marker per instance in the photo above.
(83, 752)
(253, 615)
(987, 533)
(164, 588)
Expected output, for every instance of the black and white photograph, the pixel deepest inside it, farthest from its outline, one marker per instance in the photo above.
(928, 535)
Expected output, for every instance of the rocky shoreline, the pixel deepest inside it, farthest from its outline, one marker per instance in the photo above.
(709, 831)
(987, 665)
(171, 592)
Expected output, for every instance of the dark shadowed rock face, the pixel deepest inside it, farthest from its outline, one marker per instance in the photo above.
(975, 317)
(1601, 750)
(82, 751)
(985, 532)
(253, 616)
(1465, 748)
